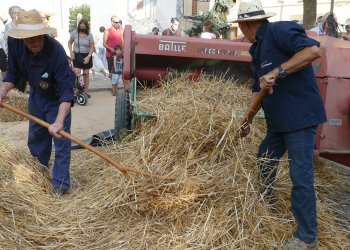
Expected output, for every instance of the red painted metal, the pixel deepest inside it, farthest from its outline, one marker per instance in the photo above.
(333, 76)
(147, 57)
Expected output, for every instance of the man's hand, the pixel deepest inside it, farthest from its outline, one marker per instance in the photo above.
(244, 128)
(57, 126)
(267, 81)
(87, 59)
(5, 87)
(54, 128)
(2, 96)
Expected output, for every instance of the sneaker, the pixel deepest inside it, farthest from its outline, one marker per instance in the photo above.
(296, 244)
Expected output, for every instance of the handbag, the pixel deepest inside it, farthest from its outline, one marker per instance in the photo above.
(79, 57)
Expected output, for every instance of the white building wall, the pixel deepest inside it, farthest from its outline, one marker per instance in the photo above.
(126, 10)
(165, 10)
(157, 11)
(101, 12)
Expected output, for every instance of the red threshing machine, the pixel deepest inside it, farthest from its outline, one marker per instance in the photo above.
(333, 76)
(150, 59)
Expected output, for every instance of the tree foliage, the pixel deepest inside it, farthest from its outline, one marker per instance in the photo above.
(73, 13)
(217, 16)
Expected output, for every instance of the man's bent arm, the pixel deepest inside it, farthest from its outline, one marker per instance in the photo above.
(298, 61)
(63, 111)
(301, 59)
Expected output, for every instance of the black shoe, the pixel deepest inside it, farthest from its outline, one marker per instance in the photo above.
(88, 95)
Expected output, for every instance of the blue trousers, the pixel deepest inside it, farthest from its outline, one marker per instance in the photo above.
(40, 140)
(300, 147)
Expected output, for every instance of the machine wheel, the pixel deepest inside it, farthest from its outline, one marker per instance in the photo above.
(82, 99)
(122, 115)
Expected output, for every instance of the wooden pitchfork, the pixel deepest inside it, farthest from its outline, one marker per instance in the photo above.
(253, 108)
(104, 156)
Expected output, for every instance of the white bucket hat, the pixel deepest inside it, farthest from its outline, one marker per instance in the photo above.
(251, 11)
(30, 24)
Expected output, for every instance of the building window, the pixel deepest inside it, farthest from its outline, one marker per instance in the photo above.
(194, 7)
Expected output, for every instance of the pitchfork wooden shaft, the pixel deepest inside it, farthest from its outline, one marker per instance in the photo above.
(255, 106)
(104, 156)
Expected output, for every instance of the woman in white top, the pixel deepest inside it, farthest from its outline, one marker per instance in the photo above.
(208, 31)
(101, 50)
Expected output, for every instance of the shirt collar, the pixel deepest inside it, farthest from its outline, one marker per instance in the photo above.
(262, 30)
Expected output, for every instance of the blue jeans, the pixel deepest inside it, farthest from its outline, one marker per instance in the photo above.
(40, 140)
(300, 147)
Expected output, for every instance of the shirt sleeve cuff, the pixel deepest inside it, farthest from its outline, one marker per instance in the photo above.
(66, 98)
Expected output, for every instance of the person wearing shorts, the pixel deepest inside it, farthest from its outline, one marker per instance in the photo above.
(111, 38)
(117, 71)
(81, 52)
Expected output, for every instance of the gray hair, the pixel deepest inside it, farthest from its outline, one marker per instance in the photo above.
(13, 10)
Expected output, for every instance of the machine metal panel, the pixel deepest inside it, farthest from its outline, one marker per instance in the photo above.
(334, 135)
(335, 60)
(152, 58)
(193, 48)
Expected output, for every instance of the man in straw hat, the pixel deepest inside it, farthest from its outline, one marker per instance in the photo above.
(43, 61)
(282, 55)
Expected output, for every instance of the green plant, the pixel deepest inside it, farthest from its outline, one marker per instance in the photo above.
(84, 10)
(217, 16)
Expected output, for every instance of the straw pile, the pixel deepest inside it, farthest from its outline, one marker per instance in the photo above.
(212, 202)
(17, 99)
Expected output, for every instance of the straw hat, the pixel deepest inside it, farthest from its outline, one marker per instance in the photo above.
(251, 11)
(30, 24)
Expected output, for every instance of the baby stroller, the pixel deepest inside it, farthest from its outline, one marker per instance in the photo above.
(78, 89)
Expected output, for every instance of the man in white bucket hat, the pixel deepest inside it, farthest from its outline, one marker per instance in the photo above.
(43, 62)
(282, 55)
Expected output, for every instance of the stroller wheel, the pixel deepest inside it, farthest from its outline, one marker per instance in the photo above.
(82, 99)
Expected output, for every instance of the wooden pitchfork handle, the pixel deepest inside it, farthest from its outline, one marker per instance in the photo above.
(104, 156)
(254, 108)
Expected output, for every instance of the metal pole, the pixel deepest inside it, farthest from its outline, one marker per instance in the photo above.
(61, 14)
(332, 6)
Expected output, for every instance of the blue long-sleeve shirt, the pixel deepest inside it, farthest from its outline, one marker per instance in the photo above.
(48, 72)
(296, 102)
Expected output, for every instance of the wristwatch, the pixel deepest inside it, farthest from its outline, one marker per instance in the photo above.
(281, 72)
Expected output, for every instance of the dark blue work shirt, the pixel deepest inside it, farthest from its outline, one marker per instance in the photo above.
(48, 72)
(296, 102)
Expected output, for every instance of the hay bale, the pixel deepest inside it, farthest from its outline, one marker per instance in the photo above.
(17, 99)
(212, 202)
